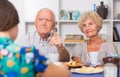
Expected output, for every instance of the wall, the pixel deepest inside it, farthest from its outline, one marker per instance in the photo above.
(19, 5)
(33, 6)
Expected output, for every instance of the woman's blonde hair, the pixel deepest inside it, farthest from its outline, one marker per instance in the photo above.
(90, 14)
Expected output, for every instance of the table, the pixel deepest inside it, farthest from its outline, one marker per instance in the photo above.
(88, 75)
(91, 75)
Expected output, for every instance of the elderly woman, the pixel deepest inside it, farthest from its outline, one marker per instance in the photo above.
(96, 48)
(19, 61)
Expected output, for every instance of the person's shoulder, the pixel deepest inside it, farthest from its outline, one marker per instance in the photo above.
(108, 42)
(33, 33)
(27, 35)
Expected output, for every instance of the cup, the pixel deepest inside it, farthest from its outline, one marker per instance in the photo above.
(54, 57)
(94, 58)
(75, 15)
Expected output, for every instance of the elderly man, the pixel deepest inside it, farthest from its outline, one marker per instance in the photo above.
(45, 38)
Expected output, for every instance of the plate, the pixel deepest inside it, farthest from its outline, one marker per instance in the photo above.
(57, 63)
(87, 70)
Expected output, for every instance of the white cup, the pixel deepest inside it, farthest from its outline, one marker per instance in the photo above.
(94, 58)
(53, 57)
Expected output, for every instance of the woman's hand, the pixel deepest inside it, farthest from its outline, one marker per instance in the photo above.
(77, 59)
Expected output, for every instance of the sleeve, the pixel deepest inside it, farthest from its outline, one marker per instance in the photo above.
(110, 49)
(41, 62)
(77, 50)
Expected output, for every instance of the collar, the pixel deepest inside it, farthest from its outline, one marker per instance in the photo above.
(5, 40)
(40, 39)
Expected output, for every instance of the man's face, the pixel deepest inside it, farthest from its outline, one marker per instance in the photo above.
(44, 22)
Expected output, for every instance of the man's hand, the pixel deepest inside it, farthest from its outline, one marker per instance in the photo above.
(55, 40)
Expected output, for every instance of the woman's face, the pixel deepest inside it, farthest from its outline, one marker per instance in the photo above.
(90, 28)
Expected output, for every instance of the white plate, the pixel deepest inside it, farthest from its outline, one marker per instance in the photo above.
(57, 63)
(77, 70)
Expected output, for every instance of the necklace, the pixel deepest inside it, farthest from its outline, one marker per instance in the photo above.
(94, 45)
